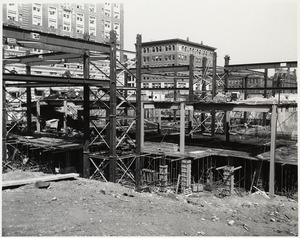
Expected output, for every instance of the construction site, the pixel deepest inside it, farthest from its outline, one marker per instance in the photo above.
(201, 149)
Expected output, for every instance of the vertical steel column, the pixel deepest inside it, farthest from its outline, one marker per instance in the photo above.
(159, 121)
(191, 78)
(28, 102)
(204, 63)
(175, 96)
(227, 120)
(86, 116)
(113, 107)
(203, 94)
(38, 115)
(107, 129)
(213, 93)
(190, 121)
(182, 127)
(227, 58)
(65, 115)
(245, 85)
(273, 150)
(139, 120)
(142, 124)
(126, 76)
(265, 95)
(4, 116)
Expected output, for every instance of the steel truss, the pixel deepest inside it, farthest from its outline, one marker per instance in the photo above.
(118, 126)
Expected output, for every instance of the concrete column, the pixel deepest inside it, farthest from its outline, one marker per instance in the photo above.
(38, 115)
(265, 95)
(182, 127)
(65, 115)
(28, 103)
(245, 85)
(273, 150)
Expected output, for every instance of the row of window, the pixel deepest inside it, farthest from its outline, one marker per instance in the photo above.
(166, 85)
(159, 48)
(195, 51)
(170, 57)
(191, 50)
(12, 15)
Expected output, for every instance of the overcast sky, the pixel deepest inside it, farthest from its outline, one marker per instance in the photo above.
(249, 31)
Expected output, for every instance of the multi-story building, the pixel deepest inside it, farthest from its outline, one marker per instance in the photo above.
(90, 21)
(285, 78)
(172, 52)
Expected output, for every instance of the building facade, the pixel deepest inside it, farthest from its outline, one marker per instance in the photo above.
(90, 21)
(172, 52)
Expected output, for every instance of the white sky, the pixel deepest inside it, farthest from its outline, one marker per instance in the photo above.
(249, 31)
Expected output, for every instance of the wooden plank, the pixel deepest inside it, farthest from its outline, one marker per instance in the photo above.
(12, 183)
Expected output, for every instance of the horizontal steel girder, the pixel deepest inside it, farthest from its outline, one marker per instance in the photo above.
(261, 88)
(270, 65)
(218, 106)
(162, 69)
(52, 39)
(55, 80)
(50, 58)
(38, 58)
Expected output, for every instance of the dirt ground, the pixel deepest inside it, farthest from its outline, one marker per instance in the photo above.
(84, 207)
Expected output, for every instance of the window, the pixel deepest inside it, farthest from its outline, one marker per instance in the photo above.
(80, 6)
(36, 8)
(92, 26)
(37, 20)
(52, 17)
(107, 24)
(92, 21)
(79, 18)
(116, 15)
(181, 85)
(67, 26)
(92, 8)
(79, 29)
(107, 12)
(66, 15)
(37, 14)
(156, 85)
(12, 12)
(146, 85)
(169, 85)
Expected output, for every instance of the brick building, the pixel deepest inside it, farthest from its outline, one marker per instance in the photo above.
(91, 21)
(168, 53)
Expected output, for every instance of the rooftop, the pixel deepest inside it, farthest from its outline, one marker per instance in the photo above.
(180, 41)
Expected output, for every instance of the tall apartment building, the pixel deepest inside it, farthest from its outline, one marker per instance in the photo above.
(90, 21)
(168, 53)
